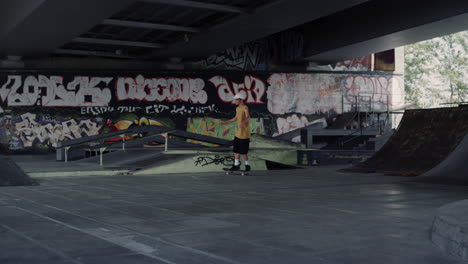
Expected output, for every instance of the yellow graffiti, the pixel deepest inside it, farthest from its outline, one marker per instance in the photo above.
(212, 127)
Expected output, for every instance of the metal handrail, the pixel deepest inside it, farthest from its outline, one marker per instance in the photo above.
(341, 144)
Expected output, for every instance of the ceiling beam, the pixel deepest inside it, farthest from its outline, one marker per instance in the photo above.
(134, 24)
(380, 29)
(40, 27)
(91, 53)
(200, 5)
(261, 22)
(119, 42)
(392, 40)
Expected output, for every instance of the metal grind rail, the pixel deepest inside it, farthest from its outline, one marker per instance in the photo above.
(151, 133)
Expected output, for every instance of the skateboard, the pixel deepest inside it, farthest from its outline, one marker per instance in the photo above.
(241, 172)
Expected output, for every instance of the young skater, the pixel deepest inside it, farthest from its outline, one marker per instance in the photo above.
(242, 136)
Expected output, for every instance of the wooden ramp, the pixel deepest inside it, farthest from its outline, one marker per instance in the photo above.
(423, 140)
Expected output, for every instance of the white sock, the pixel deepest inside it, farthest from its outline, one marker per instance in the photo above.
(236, 162)
(246, 162)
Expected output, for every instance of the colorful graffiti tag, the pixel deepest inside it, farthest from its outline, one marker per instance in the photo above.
(212, 127)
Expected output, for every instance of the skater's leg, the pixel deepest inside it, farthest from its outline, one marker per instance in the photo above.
(236, 165)
(246, 161)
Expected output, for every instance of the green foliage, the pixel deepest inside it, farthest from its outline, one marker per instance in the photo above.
(436, 70)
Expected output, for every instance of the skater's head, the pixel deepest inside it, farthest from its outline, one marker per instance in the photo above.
(238, 99)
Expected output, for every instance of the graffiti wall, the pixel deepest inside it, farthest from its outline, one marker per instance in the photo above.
(37, 110)
(263, 54)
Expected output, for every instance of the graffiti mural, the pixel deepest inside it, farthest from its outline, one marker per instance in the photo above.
(320, 93)
(380, 91)
(303, 93)
(37, 110)
(252, 88)
(28, 129)
(161, 89)
(263, 54)
(239, 57)
(359, 64)
(212, 127)
(290, 123)
(51, 91)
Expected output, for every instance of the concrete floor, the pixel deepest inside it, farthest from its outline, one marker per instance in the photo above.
(301, 216)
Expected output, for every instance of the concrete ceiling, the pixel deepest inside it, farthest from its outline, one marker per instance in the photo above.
(159, 30)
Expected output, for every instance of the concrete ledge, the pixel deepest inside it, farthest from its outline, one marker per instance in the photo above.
(450, 229)
(76, 173)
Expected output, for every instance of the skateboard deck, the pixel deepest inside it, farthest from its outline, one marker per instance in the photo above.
(241, 172)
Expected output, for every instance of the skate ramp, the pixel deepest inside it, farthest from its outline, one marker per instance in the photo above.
(135, 137)
(12, 174)
(121, 159)
(189, 161)
(454, 169)
(258, 141)
(424, 139)
(203, 160)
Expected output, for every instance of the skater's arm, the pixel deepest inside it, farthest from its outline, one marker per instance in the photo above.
(229, 121)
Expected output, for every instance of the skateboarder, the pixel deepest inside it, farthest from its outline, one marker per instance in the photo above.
(242, 136)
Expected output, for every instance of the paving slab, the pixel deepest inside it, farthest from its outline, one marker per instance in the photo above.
(315, 215)
(450, 229)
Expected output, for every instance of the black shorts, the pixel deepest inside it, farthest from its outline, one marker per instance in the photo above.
(241, 146)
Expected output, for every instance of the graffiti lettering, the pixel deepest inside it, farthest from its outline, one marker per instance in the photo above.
(283, 47)
(377, 89)
(51, 91)
(28, 130)
(204, 109)
(239, 57)
(290, 123)
(178, 110)
(217, 160)
(253, 88)
(128, 109)
(358, 64)
(156, 109)
(96, 110)
(162, 89)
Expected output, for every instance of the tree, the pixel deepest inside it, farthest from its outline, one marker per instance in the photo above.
(452, 58)
(417, 68)
(436, 70)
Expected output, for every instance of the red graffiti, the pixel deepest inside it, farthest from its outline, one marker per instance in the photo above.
(380, 89)
(252, 88)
